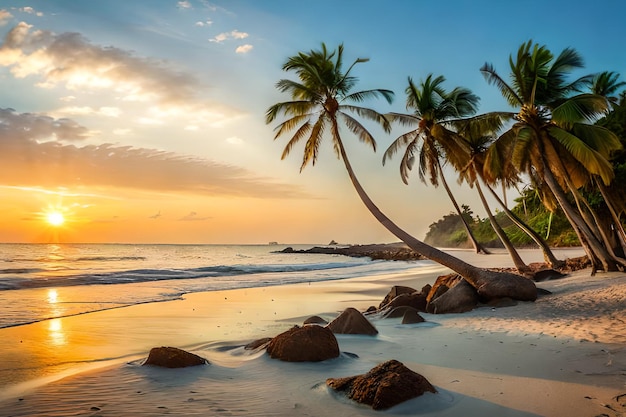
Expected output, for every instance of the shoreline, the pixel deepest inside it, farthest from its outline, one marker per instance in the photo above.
(490, 360)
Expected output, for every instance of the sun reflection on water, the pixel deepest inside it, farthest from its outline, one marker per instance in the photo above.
(57, 335)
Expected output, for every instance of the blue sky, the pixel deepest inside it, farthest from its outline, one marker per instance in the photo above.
(143, 121)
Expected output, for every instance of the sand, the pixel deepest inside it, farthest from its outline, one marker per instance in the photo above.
(563, 355)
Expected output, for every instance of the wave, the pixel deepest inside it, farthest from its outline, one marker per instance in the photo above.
(150, 275)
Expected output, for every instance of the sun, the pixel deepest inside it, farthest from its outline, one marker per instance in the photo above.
(55, 218)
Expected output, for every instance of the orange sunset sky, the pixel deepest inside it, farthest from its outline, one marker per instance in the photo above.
(143, 121)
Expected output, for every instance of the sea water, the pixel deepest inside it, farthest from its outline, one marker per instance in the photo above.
(47, 281)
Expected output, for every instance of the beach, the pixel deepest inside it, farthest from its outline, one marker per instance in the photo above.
(562, 355)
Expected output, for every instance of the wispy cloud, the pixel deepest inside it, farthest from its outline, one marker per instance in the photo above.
(71, 61)
(235, 34)
(30, 10)
(184, 5)
(5, 16)
(32, 158)
(193, 217)
(205, 23)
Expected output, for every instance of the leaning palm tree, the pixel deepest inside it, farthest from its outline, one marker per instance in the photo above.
(432, 108)
(552, 139)
(319, 101)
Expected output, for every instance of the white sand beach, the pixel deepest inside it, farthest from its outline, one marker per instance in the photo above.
(563, 355)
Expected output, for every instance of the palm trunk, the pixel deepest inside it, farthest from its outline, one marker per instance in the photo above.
(522, 268)
(490, 284)
(548, 256)
(621, 233)
(477, 246)
(594, 249)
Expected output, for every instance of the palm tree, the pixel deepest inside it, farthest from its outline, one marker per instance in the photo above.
(319, 101)
(552, 139)
(433, 107)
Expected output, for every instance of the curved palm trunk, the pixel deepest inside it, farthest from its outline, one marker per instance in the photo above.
(477, 246)
(490, 284)
(517, 259)
(621, 233)
(548, 255)
(594, 249)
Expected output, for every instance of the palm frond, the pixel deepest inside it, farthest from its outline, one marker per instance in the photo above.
(361, 96)
(598, 138)
(298, 135)
(358, 129)
(592, 160)
(290, 124)
(580, 108)
(368, 114)
(401, 141)
(311, 149)
(492, 77)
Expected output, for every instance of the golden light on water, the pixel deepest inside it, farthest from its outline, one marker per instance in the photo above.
(53, 296)
(55, 329)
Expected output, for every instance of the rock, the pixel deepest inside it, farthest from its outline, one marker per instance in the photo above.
(395, 291)
(257, 344)
(498, 284)
(171, 357)
(442, 284)
(417, 300)
(412, 316)
(384, 386)
(310, 343)
(351, 321)
(371, 309)
(315, 320)
(460, 298)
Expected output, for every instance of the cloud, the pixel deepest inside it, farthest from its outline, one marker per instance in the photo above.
(155, 216)
(184, 5)
(193, 217)
(244, 49)
(205, 23)
(32, 158)
(70, 60)
(235, 34)
(5, 16)
(30, 10)
(114, 112)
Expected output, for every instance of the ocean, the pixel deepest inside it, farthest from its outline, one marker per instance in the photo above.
(47, 281)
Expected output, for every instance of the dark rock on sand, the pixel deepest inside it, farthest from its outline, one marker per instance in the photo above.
(315, 320)
(459, 298)
(171, 357)
(417, 300)
(310, 343)
(412, 316)
(396, 312)
(257, 344)
(502, 302)
(351, 321)
(384, 386)
(395, 291)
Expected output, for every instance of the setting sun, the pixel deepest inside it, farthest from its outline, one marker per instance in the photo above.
(55, 218)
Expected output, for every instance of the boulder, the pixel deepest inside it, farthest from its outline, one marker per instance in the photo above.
(460, 298)
(352, 321)
(547, 275)
(384, 386)
(499, 284)
(417, 300)
(395, 291)
(412, 316)
(257, 344)
(171, 357)
(315, 320)
(310, 343)
(442, 284)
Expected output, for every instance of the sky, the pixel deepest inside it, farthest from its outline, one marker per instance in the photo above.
(144, 121)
